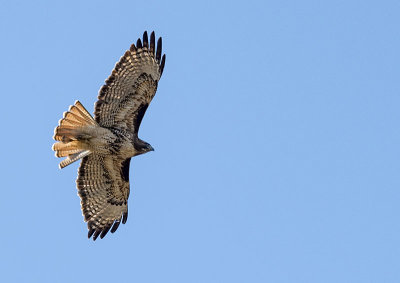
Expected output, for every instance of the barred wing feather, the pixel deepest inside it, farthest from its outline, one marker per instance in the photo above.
(123, 100)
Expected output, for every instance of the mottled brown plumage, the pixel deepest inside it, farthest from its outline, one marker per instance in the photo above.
(107, 142)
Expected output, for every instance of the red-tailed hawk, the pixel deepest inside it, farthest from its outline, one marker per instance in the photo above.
(106, 143)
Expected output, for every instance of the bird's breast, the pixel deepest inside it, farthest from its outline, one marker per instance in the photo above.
(122, 144)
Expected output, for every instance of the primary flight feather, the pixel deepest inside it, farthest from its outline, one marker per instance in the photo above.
(107, 142)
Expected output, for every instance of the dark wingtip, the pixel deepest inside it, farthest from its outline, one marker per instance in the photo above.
(115, 226)
(152, 42)
(162, 64)
(96, 234)
(133, 47)
(139, 43)
(105, 231)
(159, 49)
(124, 217)
(145, 40)
(90, 233)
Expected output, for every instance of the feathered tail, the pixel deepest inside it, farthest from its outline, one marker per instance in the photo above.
(72, 132)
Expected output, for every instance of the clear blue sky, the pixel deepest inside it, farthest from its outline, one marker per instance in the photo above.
(276, 129)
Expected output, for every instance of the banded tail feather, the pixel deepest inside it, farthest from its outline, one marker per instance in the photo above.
(73, 130)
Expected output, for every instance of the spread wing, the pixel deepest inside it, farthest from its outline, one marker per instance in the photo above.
(127, 93)
(103, 186)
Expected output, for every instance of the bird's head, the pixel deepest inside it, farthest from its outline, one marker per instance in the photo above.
(148, 148)
(142, 146)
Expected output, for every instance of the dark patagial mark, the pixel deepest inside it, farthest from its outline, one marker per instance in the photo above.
(137, 120)
(125, 169)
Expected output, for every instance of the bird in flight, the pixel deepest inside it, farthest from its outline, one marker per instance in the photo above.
(107, 142)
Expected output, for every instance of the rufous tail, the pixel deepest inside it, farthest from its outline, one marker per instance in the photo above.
(72, 133)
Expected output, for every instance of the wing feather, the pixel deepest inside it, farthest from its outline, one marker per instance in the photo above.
(152, 43)
(145, 40)
(131, 86)
(139, 43)
(159, 49)
(103, 187)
